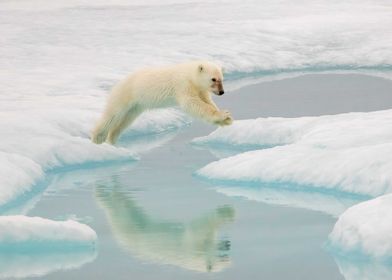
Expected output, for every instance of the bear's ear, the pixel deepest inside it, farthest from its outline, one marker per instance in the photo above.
(201, 68)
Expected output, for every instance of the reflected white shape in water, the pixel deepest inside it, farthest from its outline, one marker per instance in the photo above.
(38, 264)
(364, 270)
(193, 245)
(330, 204)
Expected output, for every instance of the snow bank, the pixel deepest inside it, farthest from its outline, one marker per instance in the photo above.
(345, 35)
(17, 175)
(363, 170)
(365, 230)
(331, 131)
(347, 152)
(18, 233)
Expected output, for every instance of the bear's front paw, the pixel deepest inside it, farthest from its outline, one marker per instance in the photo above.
(227, 121)
(225, 118)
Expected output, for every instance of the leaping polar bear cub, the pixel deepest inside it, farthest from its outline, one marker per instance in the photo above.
(188, 85)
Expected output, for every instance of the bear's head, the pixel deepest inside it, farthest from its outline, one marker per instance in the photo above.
(210, 78)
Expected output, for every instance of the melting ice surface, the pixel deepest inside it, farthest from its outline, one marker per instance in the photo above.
(59, 60)
(352, 152)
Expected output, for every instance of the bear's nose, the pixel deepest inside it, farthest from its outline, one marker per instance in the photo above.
(221, 92)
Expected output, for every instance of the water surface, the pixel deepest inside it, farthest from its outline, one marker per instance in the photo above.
(155, 220)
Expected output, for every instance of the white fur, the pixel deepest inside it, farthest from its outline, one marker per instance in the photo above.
(188, 85)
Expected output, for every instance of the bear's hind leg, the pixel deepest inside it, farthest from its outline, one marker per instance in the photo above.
(109, 121)
(101, 131)
(125, 120)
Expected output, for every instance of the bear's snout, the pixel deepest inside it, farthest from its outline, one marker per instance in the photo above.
(221, 92)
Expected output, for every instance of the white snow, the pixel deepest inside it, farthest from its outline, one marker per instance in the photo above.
(329, 132)
(59, 59)
(365, 229)
(33, 246)
(18, 231)
(348, 152)
(262, 36)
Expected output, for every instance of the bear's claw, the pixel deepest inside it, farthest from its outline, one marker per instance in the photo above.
(225, 119)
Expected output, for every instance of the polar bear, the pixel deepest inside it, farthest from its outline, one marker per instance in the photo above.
(188, 85)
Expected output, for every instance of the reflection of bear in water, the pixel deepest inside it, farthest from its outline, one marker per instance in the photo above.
(193, 246)
(188, 85)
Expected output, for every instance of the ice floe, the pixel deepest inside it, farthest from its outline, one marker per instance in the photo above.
(34, 246)
(345, 153)
(331, 131)
(365, 230)
(19, 233)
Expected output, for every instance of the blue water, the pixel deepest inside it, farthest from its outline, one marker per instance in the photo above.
(156, 220)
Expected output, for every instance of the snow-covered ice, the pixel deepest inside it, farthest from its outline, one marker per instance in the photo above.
(365, 229)
(34, 246)
(346, 152)
(262, 36)
(329, 132)
(59, 59)
(20, 232)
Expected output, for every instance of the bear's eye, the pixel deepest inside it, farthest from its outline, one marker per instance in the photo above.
(213, 79)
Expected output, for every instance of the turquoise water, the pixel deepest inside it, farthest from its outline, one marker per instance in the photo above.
(156, 220)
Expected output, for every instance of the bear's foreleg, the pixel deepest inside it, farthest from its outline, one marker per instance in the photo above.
(209, 112)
